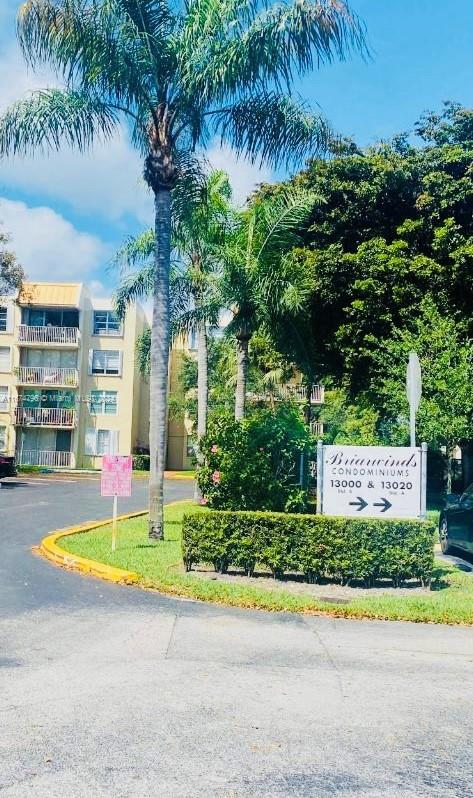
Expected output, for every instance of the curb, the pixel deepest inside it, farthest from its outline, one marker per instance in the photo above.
(49, 549)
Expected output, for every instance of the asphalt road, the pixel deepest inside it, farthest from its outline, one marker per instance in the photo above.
(112, 692)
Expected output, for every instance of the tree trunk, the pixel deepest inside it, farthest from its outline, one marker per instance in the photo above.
(242, 375)
(202, 392)
(448, 452)
(160, 336)
(308, 405)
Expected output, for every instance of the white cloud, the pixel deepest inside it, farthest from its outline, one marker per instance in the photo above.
(244, 176)
(48, 246)
(107, 180)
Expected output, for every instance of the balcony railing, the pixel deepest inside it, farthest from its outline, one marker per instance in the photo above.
(48, 459)
(48, 335)
(45, 417)
(317, 428)
(299, 393)
(46, 375)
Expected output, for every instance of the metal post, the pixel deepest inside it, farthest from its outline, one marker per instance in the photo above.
(413, 427)
(320, 473)
(301, 470)
(114, 523)
(423, 483)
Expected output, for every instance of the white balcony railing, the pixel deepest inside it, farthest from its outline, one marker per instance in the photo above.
(48, 459)
(46, 375)
(299, 393)
(45, 417)
(48, 335)
(317, 428)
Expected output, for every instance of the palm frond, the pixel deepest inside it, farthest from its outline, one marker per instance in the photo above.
(273, 44)
(272, 128)
(52, 117)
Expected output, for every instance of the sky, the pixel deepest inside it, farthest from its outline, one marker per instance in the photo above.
(68, 213)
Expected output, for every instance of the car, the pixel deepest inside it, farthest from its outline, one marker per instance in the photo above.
(456, 522)
(7, 466)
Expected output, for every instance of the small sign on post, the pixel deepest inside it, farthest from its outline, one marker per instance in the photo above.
(116, 481)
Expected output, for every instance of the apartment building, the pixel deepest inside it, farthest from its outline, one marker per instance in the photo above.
(70, 390)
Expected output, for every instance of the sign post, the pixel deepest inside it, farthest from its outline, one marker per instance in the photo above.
(116, 481)
(414, 391)
(372, 481)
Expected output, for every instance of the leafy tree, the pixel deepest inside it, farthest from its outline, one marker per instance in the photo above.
(11, 272)
(261, 282)
(445, 416)
(347, 423)
(395, 225)
(177, 73)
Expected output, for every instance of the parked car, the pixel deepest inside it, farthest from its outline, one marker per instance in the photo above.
(7, 466)
(456, 522)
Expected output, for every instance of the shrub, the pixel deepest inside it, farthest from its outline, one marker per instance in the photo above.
(345, 549)
(141, 462)
(253, 464)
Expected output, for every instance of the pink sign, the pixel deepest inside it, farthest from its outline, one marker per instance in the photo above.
(116, 475)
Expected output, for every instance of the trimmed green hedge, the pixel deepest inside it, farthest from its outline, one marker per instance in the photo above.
(318, 546)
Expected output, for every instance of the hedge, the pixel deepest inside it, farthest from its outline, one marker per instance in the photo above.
(342, 549)
(141, 462)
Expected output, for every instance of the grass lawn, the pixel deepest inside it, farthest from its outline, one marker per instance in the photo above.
(160, 566)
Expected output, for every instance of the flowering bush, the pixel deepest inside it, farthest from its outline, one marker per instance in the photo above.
(253, 464)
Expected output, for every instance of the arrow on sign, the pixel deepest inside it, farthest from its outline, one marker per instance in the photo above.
(384, 504)
(360, 504)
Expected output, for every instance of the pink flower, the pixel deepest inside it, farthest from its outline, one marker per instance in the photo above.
(204, 500)
(216, 477)
(214, 449)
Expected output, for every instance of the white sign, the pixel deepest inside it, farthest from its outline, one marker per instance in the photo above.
(372, 481)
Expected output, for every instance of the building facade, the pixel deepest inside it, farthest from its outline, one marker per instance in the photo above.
(70, 390)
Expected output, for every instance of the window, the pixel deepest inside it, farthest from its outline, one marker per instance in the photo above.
(40, 317)
(5, 358)
(106, 322)
(3, 319)
(103, 361)
(101, 441)
(103, 403)
(3, 398)
(3, 439)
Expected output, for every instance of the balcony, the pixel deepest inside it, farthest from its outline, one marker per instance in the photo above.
(317, 428)
(43, 336)
(299, 393)
(45, 417)
(47, 375)
(47, 459)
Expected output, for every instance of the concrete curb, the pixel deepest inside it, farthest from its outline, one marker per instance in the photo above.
(49, 549)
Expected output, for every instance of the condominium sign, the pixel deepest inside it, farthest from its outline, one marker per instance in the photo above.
(372, 481)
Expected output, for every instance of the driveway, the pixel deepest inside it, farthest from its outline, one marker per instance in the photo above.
(111, 692)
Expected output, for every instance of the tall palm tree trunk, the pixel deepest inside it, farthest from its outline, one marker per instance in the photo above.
(202, 380)
(202, 393)
(159, 357)
(243, 360)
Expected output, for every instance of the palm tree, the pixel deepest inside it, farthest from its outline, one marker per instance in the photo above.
(198, 236)
(261, 281)
(177, 73)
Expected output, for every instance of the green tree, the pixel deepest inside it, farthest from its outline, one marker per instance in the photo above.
(395, 225)
(11, 272)
(445, 415)
(177, 73)
(261, 282)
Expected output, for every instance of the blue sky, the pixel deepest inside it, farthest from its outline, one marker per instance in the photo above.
(68, 213)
